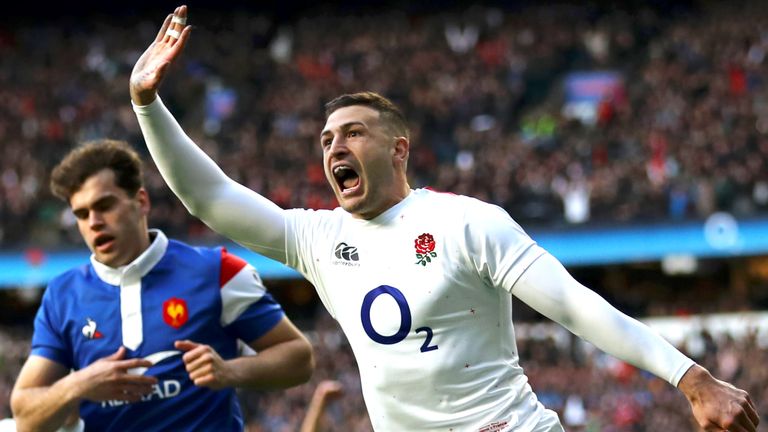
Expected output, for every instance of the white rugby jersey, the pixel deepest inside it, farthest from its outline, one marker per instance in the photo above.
(421, 291)
(422, 294)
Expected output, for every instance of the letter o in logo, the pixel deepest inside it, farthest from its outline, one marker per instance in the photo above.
(405, 315)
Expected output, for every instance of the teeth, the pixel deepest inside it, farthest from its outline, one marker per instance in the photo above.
(339, 169)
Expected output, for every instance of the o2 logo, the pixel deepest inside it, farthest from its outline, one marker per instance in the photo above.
(405, 319)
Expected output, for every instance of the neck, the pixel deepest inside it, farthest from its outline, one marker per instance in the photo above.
(146, 241)
(392, 201)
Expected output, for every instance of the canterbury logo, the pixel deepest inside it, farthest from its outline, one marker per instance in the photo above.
(346, 252)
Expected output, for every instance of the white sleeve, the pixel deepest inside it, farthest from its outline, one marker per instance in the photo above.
(496, 245)
(547, 287)
(223, 204)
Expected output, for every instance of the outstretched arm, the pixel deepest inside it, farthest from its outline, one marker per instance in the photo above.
(223, 204)
(548, 287)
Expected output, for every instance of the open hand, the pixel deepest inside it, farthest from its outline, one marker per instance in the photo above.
(718, 405)
(152, 66)
(108, 379)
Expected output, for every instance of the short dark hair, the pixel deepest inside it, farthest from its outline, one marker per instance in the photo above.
(92, 157)
(386, 108)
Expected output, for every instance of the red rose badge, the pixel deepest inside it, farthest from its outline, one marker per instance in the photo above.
(425, 249)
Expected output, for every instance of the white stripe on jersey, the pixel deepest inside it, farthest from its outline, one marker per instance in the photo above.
(244, 289)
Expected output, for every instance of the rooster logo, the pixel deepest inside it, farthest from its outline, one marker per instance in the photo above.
(175, 312)
(89, 330)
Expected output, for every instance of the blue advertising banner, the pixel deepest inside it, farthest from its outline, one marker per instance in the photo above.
(720, 236)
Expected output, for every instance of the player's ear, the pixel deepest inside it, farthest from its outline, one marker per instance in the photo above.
(401, 149)
(143, 199)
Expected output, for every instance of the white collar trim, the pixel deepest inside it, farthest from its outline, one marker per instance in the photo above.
(138, 267)
(128, 278)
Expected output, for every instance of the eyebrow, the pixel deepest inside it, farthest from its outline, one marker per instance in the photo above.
(101, 200)
(343, 127)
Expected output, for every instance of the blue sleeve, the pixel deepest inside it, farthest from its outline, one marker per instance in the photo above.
(258, 319)
(47, 339)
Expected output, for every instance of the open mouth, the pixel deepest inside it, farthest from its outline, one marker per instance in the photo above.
(346, 177)
(103, 241)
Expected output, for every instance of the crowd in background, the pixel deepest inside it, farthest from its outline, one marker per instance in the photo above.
(480, 86)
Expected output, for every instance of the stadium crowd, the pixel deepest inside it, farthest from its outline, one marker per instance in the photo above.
(687, 137)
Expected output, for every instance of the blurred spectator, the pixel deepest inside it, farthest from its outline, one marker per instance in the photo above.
(686, 139)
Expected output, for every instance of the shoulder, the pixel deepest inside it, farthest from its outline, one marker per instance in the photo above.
(445, 198)
(463, 207)
(231, 265)
(64, 291)
(469, 218)
(182, 261)
(316, 215)
(212, 260)
(218, 254)
(320, 220)
(180, 250)
(71, 279)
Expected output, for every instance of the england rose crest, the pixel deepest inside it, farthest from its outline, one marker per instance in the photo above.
(425, 249)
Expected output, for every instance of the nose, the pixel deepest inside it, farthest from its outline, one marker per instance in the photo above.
(338, 147)
(95, 219)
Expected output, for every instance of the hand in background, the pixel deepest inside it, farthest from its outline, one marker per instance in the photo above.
(326, 390)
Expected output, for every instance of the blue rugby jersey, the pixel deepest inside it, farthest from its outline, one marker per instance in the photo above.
(171, 292)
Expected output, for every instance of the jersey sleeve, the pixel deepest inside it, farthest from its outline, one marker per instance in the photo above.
(47, 339)
(497, 246)
(248, 310)
(548, 287)
(226, 206)
(303, 229)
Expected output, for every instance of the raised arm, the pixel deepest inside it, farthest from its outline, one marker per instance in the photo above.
(548, 287)
(223, 204)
